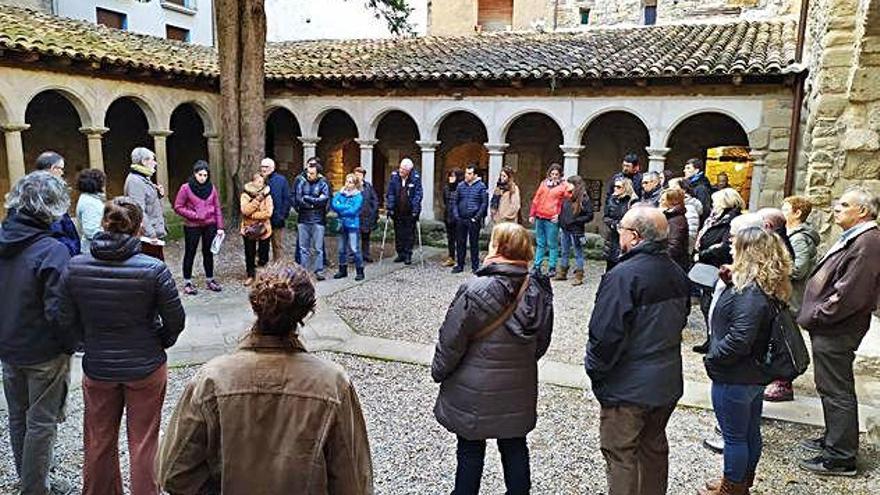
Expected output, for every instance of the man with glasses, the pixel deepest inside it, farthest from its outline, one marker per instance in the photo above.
(633, 355)
(629, 169)
(651, 189)
(63, 229)
(279, 189)
(838, 300)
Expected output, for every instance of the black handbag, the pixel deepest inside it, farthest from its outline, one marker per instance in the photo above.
(786, 357)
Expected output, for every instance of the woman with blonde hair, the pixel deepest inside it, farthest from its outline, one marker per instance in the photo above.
(615, 208)
(505, 203)
(347, 204)
(742, 314)
(486, 360)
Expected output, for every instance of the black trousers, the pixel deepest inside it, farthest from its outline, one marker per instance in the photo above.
(514, 461)
(255, 252)
(467, 231)
(365, 245)
(191, 238)
(833, 357)
(404, 235)
(451, 236)
(706, 304)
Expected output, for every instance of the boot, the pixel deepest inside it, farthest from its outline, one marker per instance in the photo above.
(342, 273)
(715, 484)
(724, 487)
(578, 277)
(360, 274)
(561, 273)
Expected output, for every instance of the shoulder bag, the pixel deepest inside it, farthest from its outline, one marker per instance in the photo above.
(504, 315)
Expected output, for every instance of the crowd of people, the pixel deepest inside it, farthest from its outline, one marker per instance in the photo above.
(104, 290)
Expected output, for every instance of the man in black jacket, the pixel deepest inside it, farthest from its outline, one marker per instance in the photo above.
(469, 211)
(695, 173)
(35, 345)
(633, 354)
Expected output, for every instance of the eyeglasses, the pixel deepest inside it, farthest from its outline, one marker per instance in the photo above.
(621, 228)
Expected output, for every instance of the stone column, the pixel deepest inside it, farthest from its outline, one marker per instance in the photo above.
(757, 158)
(656, 159)
(570, 159)
(429, 148)
(215, 158)
(496, 161)
(367, 155)
(96, 150)
(14, 150)
(310, 147)
(160, 140)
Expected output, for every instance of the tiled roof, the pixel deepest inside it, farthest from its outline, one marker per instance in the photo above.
(739, 48)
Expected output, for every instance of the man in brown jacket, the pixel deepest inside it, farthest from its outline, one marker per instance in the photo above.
(836, 310)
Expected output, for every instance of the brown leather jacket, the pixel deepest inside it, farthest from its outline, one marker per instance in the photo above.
(267, 419)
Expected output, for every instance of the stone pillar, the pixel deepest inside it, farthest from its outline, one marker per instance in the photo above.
(570, 159)
(429, 148)
(757, 159)
(160, 141)
(656, 159)
(215, 158)
(367, 155)
(96, 150)
(310, 147)
(14, 150)
(496, 161)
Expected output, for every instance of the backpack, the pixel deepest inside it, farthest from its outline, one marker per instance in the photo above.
(786, 357)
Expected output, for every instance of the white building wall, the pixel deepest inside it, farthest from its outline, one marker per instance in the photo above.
(333, 19)
(149, 17)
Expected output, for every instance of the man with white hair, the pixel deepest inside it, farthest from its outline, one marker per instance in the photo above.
(279, 189)
(148, 195)
(838, 301)
(35, 343)
(403, 202)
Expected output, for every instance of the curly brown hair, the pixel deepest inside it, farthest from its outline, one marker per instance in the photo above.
(282, 297)
(122, 216)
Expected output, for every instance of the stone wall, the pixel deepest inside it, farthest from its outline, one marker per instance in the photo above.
(843, 103)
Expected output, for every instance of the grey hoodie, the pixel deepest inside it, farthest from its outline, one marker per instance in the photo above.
(804, 241)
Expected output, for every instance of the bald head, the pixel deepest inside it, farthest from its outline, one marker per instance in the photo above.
(646, 223)
(773, 218)
(267, 167)
(746, 221)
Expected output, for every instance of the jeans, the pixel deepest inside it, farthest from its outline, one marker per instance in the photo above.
(547, 236)
(255, 252)
(633, 442)
(833, 357)
(451, 239)
(569, 241)
(349, 240)
(191, 238)
(311, 236)
(738, 411)
(404, 234)
(467, 231)
(35, 396)
(104, 403)
(514, 460)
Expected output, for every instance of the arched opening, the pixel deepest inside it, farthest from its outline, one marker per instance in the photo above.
(607, 139)
(397, 134)
(129, 129)
(534, 141)
(462, 136)
(186, 144)
(282, 142)
(698, 133)
(54, 125)
(337, 148)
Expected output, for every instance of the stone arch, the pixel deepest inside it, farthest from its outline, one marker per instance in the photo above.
(186, 144)
(612, 109)
(606, 138)
(203, 112)
(441, 118)
(376, 119)
(338, 150)
(282, 140)
(76, 100)
(534, 140)
(55, 124)
(513, 118)
(128, 128)
(315, 125)
(396, 132)
(147, 108)
(693, 135)
(721, 111)
(462, 135)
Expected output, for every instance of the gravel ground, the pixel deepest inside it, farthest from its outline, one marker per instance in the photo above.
(412, 454)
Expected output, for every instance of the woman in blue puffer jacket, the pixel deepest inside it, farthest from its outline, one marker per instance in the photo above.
(347, 204)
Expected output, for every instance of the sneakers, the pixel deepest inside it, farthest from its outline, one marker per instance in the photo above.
(829, 467)
(189, 289)
(714, 442)
(779, 391)
(816, 445)
(449, 262)
(458, 269)
(552, 273)
(319, 276)
(213, 286)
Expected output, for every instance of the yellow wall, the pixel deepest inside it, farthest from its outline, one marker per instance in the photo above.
(453, 17)
(525, 12)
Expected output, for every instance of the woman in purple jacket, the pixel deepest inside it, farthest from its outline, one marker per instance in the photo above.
(198, 202)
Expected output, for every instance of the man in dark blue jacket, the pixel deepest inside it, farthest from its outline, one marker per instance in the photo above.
(312, 196)
(35, 343)
(403, 201)
(695, 173)
(279, 189)
(629, 169)
(634, 353)
(62, 229)
(469, 211)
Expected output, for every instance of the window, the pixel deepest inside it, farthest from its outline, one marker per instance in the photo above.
(650, 12)
(111, 19)
(585, 17)
(176, 33)
(182, 3)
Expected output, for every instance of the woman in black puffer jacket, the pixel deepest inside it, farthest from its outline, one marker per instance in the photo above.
(615, 209)
(489, 381)
(130, 312)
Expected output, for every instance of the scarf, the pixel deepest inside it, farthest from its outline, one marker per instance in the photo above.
(553, 183)
(251, 190)
(202, 191)
(142, 170)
